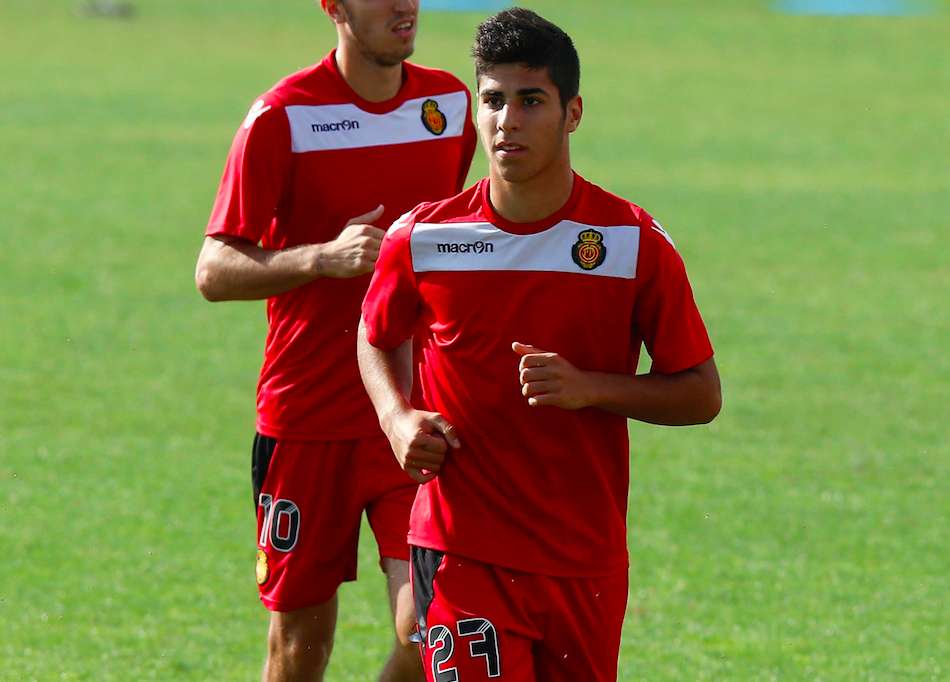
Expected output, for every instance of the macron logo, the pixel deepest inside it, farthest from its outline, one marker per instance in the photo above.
(255, 113)
(335, 127)
(470, 247)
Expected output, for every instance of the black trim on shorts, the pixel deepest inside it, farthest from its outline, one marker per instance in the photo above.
(425, 564)
(261, 453)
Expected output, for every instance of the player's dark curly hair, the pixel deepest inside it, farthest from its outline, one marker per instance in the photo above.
(519, 36)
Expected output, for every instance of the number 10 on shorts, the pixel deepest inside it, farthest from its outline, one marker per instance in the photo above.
(281, 524)
(482, 641)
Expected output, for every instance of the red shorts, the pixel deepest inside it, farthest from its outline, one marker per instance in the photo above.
(480, 622)
(310, 498)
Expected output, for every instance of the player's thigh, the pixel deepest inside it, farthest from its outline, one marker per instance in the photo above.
(307, 521)
(309, 630)
(400, 598)
(387, 493)
(472, 628)
(582, 629)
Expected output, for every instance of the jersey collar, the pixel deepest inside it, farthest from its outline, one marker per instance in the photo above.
(353, 97)
(503, 223)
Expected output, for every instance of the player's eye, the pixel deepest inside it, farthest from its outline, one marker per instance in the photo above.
(493, 101)
(532, 101)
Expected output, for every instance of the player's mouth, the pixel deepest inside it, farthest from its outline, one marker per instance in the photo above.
(506, 150)
(405, 28)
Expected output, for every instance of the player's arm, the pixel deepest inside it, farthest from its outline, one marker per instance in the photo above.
(683, 385)
(420, 440)
(232, 268)
(691, 396)
(231, 264)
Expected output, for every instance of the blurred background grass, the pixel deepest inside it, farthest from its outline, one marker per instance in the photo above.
(800, 163)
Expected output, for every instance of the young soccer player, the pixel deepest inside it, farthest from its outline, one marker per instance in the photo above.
(530, 295)
(366, 134)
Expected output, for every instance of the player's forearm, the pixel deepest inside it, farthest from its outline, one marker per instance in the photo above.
(689, 397)
(233, 269)
(387, 376)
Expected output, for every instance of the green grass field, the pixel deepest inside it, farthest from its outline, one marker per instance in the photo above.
(801, 164)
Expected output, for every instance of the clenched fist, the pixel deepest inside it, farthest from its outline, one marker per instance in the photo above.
(355, 250)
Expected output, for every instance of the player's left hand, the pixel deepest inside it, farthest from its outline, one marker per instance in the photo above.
(548, 379)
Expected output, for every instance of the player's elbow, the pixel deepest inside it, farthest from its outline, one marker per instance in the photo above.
(210, 273)
(207, 281)
(707, 393)
(710, 405)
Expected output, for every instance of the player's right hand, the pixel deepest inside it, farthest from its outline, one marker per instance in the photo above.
(421, 440)
(355, 250)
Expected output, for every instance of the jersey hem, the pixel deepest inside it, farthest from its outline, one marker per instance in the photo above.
(283, 606)
(611, 568)
(284, 433)
(239, 231)
(683, 366)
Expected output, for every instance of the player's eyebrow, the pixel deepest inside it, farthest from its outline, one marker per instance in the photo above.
(523, 92)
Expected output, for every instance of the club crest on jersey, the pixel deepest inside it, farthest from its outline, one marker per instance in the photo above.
(589, 251)
(262, 569)
(432, 118)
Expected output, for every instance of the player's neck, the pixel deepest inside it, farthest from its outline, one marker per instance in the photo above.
(371, 81)
(531, 200)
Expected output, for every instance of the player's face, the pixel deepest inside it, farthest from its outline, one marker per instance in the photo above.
(522, 124)
(384, 31)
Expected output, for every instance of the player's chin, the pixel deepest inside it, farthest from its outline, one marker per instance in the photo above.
(511, 171)
(396, 55)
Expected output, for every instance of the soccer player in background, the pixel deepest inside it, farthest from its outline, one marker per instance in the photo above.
(531, 294)
(321, 159)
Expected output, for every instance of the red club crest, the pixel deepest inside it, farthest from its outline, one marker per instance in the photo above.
(589, 251)
(432, 118)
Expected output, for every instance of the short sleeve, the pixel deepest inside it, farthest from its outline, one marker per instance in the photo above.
(392, 304)
(666, 317)
(255, 174)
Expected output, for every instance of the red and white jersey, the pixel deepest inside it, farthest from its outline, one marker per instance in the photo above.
(538, 489)
(311, 155)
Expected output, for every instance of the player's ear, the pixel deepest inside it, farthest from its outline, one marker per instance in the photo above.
(335, 10)
(574, 112)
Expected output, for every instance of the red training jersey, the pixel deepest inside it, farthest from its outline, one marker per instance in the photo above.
(537, 489)
(311, 155)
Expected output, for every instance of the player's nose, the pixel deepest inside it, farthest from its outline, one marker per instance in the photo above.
(507, 118)
(406, 6)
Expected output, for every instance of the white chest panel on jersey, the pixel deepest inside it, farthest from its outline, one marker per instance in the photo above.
(346, 126)
(566, 247)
